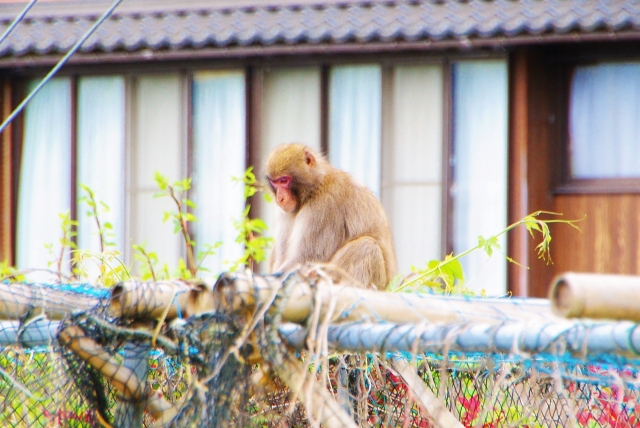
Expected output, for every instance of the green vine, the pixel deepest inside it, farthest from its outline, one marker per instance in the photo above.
(445, 274)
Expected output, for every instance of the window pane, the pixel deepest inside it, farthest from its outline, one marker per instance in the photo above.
(604, 121)
(290, 113)
(158, 145)
(45, 173)
(219, 155)
(480, 167)
(412, 162)
(101, 157)
(354, 122)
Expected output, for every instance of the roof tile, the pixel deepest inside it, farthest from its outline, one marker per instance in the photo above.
(352, 21)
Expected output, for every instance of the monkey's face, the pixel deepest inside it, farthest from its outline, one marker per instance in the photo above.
(285, 198)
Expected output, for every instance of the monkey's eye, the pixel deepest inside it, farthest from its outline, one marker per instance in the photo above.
(281, 181)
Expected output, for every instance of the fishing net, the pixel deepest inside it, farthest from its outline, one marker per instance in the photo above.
(298, 351)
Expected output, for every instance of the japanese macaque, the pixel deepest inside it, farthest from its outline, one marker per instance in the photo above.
(327, 218)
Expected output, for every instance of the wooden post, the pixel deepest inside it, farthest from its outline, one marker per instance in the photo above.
(518, 239)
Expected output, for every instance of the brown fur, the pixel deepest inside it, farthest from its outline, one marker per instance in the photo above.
(335, 220)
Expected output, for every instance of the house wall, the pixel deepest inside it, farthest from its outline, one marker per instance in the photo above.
(607, 241)
(416, 93)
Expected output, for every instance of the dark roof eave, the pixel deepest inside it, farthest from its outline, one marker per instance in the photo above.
(257, 51)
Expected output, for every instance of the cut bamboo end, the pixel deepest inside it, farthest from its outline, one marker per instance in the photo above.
(598, 296)
(148, 300)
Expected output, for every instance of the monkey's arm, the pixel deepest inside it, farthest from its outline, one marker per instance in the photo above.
(317, 233)
(284, 225)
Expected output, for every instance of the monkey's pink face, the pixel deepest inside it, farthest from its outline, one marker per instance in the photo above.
(284, 196)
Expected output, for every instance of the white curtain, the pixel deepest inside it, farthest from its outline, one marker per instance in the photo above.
(101, 156)
(290, 114)
(480, 106)
(355, 122)
(158, 145)
(219, 155)
(604, 121)
(45, 174)
(412, 163)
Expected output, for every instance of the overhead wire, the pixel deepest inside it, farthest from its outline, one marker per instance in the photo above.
(17, 20)
(59, 65)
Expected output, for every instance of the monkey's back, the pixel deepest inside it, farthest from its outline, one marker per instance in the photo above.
(363, 214)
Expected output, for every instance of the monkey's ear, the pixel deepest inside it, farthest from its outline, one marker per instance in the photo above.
(308, 157)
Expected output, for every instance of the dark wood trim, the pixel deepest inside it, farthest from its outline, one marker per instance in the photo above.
(518, 204)
(254, 82)
(187, 119)
(447, 243)
(564, 183)
(130, 154)
(324, 108)
(6, 172)
(74, 151)
(387, 126)
(19, 91)
(542, 145)
(187, 123)
(205, 64)
(599, 186)
(428, 46)
(560, 95)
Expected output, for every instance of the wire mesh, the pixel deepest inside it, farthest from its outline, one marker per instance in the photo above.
(97, 367)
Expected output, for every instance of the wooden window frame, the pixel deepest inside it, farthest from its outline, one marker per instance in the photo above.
(564, 182)
(253, 77)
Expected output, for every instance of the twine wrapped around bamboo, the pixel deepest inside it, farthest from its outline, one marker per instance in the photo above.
(149, 300)
(17, 300)
(342, 303)
(599, 296)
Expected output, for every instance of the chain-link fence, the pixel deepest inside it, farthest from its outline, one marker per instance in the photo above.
(299, 351)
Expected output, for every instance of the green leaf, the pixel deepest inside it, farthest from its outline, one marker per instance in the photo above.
(488, 245)
(454, 268)
(249, 191)
(531, 224)
(259, 225)
(184, 184)
(433, 264)
(161, 180)
(189, 203)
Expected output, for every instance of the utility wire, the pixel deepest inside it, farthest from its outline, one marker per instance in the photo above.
(58, 66)
(17, 21)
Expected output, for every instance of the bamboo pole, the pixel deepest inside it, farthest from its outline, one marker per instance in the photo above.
(320, 403)
(442, 417)
(574, 295)
(241, 291)
(149, 300)
(123, 379)
(18, 300)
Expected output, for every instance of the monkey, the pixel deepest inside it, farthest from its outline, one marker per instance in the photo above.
(326, 217)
